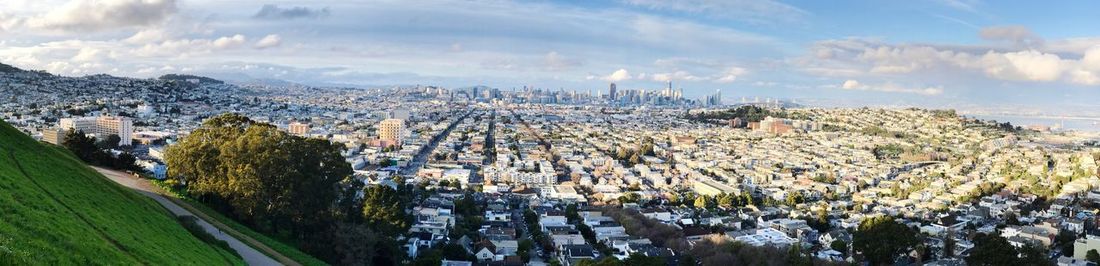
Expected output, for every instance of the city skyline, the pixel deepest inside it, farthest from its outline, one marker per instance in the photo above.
(924, 53)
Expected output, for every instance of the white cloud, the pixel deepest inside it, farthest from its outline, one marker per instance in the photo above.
(618, 75)
(147, 36)
(190, 47)
(852, 84)
(1084, 77)
(269, 41)
(87, 54)
(96, 15)
(730, 75)
(855, 58)
(1027, 65)
(678, 75)
(230, 41)
(1091, 60)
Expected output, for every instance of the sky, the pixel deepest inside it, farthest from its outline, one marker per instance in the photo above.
(1008, 55)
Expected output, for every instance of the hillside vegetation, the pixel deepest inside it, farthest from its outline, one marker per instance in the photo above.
(54, 210)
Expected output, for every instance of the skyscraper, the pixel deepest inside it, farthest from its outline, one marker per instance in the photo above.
(612, 92)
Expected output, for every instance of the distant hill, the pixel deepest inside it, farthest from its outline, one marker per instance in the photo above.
(4, 68)
(54, 210)
(185, 77)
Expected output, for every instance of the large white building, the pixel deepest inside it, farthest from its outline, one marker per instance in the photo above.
(102, 126)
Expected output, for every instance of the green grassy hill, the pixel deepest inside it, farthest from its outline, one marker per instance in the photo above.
(54, 210)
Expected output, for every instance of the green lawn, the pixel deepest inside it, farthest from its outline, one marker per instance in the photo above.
(283, 248)
(57, 211)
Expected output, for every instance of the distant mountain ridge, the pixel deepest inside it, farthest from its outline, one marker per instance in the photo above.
(5, 68)
(9, 69)
(186, 77)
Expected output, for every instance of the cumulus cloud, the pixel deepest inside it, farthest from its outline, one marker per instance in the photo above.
(271, 40)
(229, 41)
(618, 75)
(852, 84)
(856, 58)
(1028, 65)
(274, 12)
(96, 15)
(189, 47)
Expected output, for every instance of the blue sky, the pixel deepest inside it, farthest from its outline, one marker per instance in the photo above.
(937, 53)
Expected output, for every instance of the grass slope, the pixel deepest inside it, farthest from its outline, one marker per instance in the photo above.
(54, 210)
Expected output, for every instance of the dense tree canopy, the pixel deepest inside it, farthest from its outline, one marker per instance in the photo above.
(291, 187)
(260, 173)
(87, 150)
(992, 250)
(384, 209)
(881, 239)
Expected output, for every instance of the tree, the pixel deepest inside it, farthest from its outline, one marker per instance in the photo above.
(688, 260)
(949, 243)
(880, 239)
(629, 197)
(725, 200)
(263, 177)
(125, 161)
(795, 257)
(1033, 255)
(606, 261)
(355, 244)
(991, 249)
(839, 245)
(571, 213)
(1064, 241)
(524, 249)
(637, 259)
(383, 209)
(81, 145)
(701, 202)
(111, 142)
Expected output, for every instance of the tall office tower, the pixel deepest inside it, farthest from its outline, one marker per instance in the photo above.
(612, 92)
(389, 132)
